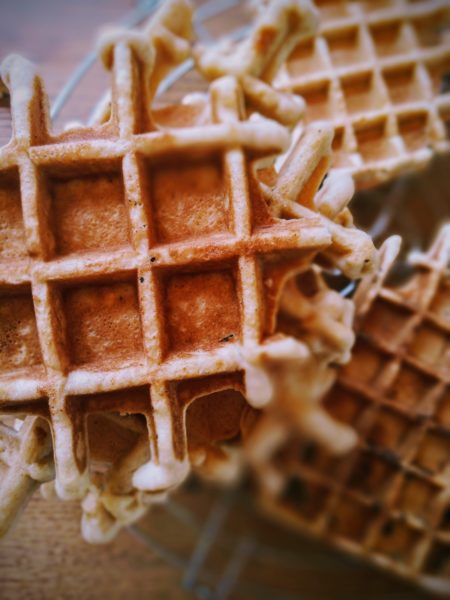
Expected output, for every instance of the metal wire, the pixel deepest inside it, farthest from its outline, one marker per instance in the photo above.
(195, 577)
(207, 583)
(209, 533)
(233, 569)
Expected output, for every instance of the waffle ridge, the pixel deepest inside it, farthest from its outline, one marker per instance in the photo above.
(67, 290)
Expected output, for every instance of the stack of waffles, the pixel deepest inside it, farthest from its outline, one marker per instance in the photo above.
(163, 271)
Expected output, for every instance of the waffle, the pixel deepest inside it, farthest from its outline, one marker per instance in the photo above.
(284, 375)
(375, 70)
(83, 305)
(215, 407)
(281, 26)
(112, 502)
(25, 461)
(137, 303)
(299, 369)
(388, 501)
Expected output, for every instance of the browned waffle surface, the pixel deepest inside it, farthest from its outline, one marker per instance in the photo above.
(389, 500)
(379, 72)
(147, 252)
(25, 460)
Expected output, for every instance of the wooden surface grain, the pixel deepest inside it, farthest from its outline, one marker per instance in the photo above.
(44, 557)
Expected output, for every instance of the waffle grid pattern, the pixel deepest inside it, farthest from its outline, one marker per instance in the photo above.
(41, 292)
(389, 500)
(377, 70)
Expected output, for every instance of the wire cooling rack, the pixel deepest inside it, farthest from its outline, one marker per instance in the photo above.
(223, 548)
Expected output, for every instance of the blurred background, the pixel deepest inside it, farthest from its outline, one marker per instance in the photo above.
(205, 543)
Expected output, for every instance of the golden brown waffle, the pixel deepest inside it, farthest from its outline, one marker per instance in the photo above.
(212, 420)
(214, 407)
(281, 26)
(80, 326)
(140, 255)
(389, 500)
(377, 70)
(26, 460)
(308, 336)
(146, 252)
